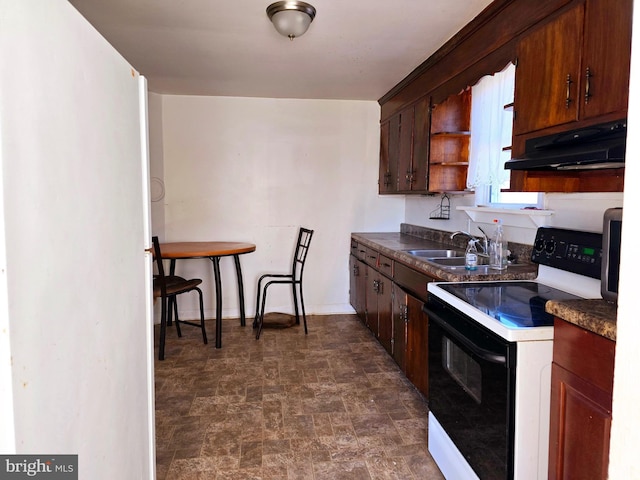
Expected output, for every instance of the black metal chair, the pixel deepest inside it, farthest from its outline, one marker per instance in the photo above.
(167, 288)
(294, 279)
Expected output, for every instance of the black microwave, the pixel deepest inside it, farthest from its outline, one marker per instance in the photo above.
(611, 239)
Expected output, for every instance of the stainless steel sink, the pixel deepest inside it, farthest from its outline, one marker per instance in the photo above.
(436, 253)
(455, 261)
(457, 264)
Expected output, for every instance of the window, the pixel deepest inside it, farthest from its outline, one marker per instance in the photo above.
(491, 126)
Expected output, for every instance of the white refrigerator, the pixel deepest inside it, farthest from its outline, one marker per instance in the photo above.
(76, 338)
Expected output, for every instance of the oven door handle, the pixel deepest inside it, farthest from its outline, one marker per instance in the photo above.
(483, 353)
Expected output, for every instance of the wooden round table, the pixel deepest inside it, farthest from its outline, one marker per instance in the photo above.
(213, 251)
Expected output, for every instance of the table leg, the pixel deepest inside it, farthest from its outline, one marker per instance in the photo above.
(236, 259)
(218, 282)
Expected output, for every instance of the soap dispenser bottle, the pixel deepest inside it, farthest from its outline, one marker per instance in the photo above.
(471, 256)
(498, 248)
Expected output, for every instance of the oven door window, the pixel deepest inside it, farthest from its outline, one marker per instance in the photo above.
(462, 368)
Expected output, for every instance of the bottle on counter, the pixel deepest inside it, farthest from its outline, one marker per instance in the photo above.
(471, 256)
(498, 248)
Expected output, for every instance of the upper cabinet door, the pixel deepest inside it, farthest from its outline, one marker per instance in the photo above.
(547, 75)
(405, 142)
(607, 54)
(576, 67)
(388, 173)
(404, 150)
(420, 154)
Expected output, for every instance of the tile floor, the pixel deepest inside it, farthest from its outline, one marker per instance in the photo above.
(330, 405)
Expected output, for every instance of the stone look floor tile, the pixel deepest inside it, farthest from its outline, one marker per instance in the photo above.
(328, 405)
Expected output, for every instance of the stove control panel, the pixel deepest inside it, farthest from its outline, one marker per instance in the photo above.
(570, 250)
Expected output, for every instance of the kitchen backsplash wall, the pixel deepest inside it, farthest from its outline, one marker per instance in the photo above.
(579, 211)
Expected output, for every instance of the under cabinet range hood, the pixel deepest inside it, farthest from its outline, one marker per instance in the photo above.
(596, 147)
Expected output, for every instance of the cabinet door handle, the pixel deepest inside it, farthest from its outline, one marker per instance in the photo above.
(568, 100)
(409, 176)
(387, 179)
(587, 88)
(380, 290)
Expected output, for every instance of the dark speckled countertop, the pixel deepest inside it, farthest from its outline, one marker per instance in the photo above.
(597, 315)
(394, 245)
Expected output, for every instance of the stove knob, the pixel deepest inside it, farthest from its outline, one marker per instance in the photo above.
(539, 246)
(550, 247)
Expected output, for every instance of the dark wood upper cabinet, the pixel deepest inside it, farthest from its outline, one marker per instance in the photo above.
(606, 57)
(575, 67)
(430, 146)
(547, 74)
(573, 71)
(404, 152)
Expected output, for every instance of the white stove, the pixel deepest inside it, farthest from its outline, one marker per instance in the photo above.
(491, 347)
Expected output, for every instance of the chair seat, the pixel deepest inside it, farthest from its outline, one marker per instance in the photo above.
(175, 285)
(169, 280)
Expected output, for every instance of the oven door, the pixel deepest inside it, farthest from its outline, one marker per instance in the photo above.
(472, 389)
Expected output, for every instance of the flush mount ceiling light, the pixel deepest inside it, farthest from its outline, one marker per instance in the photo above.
(291, 18)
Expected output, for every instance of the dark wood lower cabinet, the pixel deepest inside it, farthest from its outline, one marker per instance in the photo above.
(357, 283)
(385, 321)
(581, 398)
(417, 349)
(378, 289)
(392, 313)
(399, 327)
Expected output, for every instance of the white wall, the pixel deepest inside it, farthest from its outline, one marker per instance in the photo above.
(579, 211)
(72, 176)
(156, 167)
(254, 170)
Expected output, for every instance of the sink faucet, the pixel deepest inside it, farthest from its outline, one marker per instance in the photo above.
(485, 241)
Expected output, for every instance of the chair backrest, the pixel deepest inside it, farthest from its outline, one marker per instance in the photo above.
(300, 255)
(157, 256)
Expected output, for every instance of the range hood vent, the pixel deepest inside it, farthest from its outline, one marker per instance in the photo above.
(596, 147)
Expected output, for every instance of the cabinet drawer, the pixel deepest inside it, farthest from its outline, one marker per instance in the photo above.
(354, 248)
(359, 251)
(414, 282)
(385, 265)
(370, 257)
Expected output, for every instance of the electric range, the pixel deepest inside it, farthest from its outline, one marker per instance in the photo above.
(490, 354)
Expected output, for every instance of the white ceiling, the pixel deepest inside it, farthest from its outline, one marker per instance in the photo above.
(354, 49)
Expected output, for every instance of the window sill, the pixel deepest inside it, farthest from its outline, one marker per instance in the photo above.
(510, 216)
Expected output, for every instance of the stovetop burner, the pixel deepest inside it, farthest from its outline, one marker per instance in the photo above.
(515, 304)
